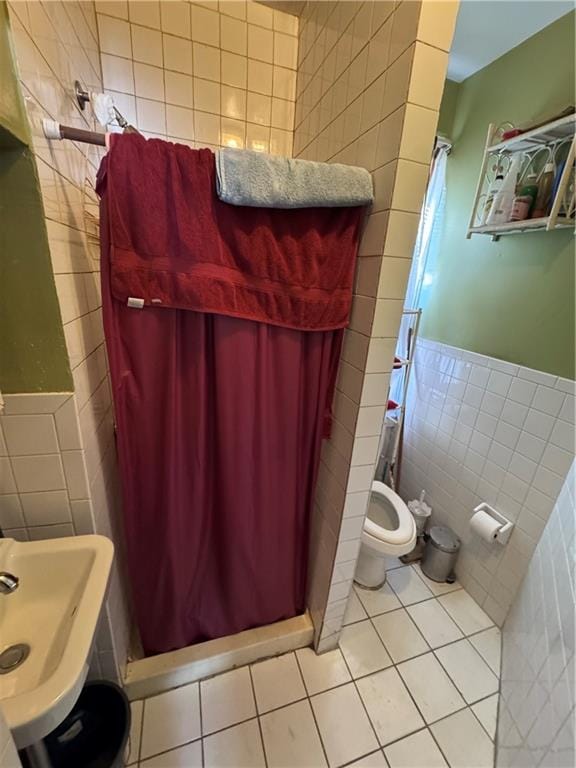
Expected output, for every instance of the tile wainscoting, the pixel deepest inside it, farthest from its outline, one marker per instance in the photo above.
(536, 717)
(480, 429)
(46, 492)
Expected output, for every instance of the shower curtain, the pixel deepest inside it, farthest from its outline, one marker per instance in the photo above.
(219, 427)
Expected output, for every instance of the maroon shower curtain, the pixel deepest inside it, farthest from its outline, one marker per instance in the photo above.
(219, 426)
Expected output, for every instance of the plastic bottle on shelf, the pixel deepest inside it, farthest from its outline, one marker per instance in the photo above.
(521, 207)
(543, 198)
(530, 188)
(492, 192)
(504, 199)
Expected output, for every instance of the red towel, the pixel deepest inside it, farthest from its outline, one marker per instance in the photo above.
(175, 244)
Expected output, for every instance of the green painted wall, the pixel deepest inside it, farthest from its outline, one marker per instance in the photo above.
(512, 299)
(448, 109)
(13, 123)
(33, 355)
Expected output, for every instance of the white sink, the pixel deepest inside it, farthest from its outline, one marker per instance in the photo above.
(55, 611)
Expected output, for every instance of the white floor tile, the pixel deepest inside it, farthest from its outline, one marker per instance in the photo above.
(408, 586)
(468, 670)
(389, 706)
(400, 635)
(432, 689)
(416, 751)
(170, 719)
(238, 747)
(466, 612)
(434, 623)
(132, 750)
(363, 649)
(354, 610)
(322, 671)
(487, 712)
(188, 756)
(489, 646)
(377, 601)
(375, 760)
(277, 682)
(344, 726)
(226, 700)
(436, 587)
(393, 562)
(464, 742)
(291, 739)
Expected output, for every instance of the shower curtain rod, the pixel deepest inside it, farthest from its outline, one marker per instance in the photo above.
(54, 130)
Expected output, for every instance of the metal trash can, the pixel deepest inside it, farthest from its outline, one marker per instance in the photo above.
(440, 554)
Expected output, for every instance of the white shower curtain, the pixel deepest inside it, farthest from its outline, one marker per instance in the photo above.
(425, 257)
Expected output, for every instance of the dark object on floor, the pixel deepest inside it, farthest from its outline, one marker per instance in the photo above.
(95, 733)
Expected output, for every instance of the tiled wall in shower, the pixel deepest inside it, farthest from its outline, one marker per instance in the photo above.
(205, 74)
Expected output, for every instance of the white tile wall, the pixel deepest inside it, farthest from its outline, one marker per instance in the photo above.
(44, 488)
(55, 43)
(36, 492)
(204, 74)
(363, 98)
(480, 429)
(537, 703)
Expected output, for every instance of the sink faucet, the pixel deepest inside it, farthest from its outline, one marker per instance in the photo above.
(8, 582)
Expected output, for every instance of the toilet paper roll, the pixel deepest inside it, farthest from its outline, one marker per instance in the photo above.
(485, 526)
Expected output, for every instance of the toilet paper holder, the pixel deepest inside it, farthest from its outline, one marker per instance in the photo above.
(505, 531)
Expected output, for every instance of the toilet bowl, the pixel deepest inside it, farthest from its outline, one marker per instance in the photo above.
(389, 530)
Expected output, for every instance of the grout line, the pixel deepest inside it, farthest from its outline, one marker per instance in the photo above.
(141, 732)
(360, 695)
(309, 698)
(453, 681)
(176, 746)
(201, 721)
(253, 687)
(492, 738)
(435, 740)
(427, 725)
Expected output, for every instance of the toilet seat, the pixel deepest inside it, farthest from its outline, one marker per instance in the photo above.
(396, 541)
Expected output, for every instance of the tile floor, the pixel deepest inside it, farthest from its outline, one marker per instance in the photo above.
(413, 685)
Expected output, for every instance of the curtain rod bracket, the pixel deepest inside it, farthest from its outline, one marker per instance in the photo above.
(51, 129)
(82, 96)
(56, 131)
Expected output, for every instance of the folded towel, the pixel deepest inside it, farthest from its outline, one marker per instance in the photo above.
(254, 179)
(175, 245)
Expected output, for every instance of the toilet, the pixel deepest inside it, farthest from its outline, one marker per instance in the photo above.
(389, 531)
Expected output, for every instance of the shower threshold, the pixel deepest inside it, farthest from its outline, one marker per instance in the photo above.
(156, 674)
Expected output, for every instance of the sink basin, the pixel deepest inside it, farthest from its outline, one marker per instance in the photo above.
(54, 611)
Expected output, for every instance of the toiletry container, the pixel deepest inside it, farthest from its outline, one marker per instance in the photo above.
(440, 554)
(504, 198)
(492, 192)
(529, 188)
(521, 207)
(542, 203)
